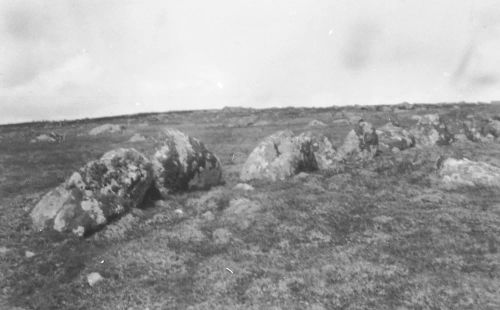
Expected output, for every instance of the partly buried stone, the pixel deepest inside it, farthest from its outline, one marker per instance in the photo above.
(183, 163)
(43, 138)
(391, 136)
(106, 128)
(463, 172)
(431, 130)
(360, 143)
(282, 155)
(96, 193)
(137, 138)
(316, 123)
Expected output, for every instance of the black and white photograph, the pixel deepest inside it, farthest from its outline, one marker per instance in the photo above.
(249, 154)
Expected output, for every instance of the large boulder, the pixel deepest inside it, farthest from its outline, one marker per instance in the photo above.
(183, 163)
(98, 192)
(360, 143)
(275, 158)
(391, 136)
(463, 172)
(316, 149)
(282, 155)
(431, 130)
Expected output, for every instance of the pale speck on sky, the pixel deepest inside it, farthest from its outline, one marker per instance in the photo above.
(63, 59)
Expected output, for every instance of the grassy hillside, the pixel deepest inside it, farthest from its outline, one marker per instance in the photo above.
(379, 235)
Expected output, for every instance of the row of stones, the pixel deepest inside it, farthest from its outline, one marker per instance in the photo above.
(283, 154)
(106, 188)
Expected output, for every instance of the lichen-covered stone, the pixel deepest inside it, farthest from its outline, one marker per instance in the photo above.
(360, 143)
(282, 155)
(463, 172)
(106, 128)
(99, 191)
(391, 136)
(316, 149)
(431, 130)
(275, 158)
(183, 163)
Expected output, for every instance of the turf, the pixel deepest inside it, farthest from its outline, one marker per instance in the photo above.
(379, 235)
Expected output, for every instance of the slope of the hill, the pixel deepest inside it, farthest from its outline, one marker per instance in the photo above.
(379, 235)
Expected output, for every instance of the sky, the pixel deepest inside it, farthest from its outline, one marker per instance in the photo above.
(67, 59)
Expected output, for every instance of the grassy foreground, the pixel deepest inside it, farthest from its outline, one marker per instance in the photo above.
(382, 235)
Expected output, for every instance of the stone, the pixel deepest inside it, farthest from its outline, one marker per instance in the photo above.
(29, 254)
(430, 130)
(463, 172)
(317, 152)
(391, 136)
(282, 155)
(316, 123)
(382, 219)
(4, 250)
(361, 143)
(137, 138)
(208, 216)
(93, 278)
(183, 163)
(243, 187)
(43, 138)
(106, 128)
(98, 192)
(275, 158)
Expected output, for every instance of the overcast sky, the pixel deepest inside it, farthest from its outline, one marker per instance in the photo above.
(73, 59)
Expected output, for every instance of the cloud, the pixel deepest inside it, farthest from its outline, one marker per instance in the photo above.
(69, 59)
(361, 41)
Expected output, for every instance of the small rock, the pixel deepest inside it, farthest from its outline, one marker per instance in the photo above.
(316, 123)
(43, 138)
(244, 187)
(106, 128)
(208, 216)
(382, 219)
(137, 138)
(94, 278)
(4, 250)
(179, 211)
(29, 254)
